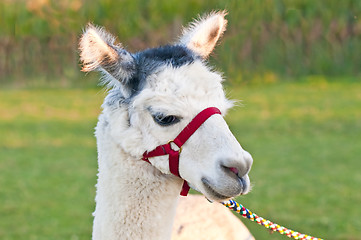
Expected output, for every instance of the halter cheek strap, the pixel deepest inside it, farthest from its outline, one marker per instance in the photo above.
(183, 136)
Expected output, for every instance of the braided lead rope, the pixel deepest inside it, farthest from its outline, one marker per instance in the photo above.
(244, 212)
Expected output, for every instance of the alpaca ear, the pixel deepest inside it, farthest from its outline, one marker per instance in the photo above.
(202, 35)
(99, 52)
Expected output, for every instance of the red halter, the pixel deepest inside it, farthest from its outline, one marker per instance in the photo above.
(182, 137)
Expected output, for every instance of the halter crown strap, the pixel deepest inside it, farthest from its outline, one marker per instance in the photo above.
(182, 137)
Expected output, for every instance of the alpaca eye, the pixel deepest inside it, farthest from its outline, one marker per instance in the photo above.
(165, 120)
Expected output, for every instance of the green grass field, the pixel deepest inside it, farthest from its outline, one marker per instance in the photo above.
(305, 139)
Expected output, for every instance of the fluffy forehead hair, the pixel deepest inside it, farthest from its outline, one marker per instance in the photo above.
(127, 72)
(151, 61)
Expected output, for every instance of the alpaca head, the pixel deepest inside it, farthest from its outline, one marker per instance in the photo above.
(155, 93)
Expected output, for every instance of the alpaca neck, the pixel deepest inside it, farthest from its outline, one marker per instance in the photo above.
(134, 200)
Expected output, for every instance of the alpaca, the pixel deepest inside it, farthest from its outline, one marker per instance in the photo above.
(153, 94)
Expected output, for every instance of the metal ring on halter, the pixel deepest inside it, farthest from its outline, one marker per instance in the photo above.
(174, 144)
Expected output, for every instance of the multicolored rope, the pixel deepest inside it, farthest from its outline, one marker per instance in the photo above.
(244, 212)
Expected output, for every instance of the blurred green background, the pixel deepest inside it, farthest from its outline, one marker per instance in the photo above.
(267, 40)
(294, 64)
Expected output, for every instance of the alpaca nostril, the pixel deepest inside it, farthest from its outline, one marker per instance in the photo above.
(231, 170)
(240, 167)
(235, 170)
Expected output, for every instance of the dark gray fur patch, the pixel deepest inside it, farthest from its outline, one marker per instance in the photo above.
(174, 55)
(114, 98)
(148, 62)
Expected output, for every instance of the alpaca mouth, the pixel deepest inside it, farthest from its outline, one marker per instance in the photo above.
(245, 186)
(213, 192)
(239, 188)
(243, 181)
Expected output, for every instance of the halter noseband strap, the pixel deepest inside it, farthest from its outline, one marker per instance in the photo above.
(183, 136)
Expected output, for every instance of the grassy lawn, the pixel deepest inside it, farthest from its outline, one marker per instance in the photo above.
(305, 140)
(48, 163)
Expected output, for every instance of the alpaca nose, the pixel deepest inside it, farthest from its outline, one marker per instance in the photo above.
(240, 166)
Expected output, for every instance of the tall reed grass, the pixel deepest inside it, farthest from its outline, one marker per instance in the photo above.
(266, 41)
